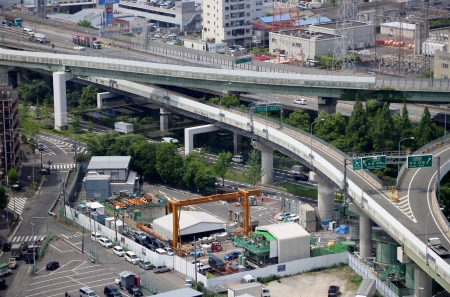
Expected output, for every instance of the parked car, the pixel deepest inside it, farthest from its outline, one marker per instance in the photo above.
(299, 101)
(52, 265)
(237, 159)
(145, 264)
(231, 256)
(29, 259)
(111, 291)
(24, 246)
(105, 242)
(157, 35)
(150, 247)
(281, 216)
(161, 268)
(17, 185)
(139, 234)
(135, 291)
(300, 176)
(333, 291)
(118, 251)
(169, 251)
(6, 247)
(292, 218)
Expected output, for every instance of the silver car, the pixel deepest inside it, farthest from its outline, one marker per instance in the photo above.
(145, 264)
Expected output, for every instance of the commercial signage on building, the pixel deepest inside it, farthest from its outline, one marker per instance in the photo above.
(104, 2)
(109, 15)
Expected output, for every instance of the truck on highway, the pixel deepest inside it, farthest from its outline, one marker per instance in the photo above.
(435, 245)
(86, 41)
(5, 269)
(123, 127)
(253, 289)
(39, 38)
(16, 251)
(13, 21)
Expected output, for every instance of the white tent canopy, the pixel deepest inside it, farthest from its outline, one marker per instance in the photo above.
(191, 222)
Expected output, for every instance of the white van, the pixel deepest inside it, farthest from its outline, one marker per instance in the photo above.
(86, 292)
(237, 159)
(27, 30)
(169, 140)
(132, 258)
(161, 251)
(95, 235)
(312, 63)
(118, 251)
(105, 242)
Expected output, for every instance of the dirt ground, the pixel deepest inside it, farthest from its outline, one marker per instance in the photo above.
(314, 284)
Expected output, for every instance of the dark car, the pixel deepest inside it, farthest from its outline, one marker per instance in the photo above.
(24, 246)
(52, 265)
(2, 284)
(29, 259)
(6, 246)
(17, 185)
(150, 247)
(231, 256)
(134, 291)
(333, 291)
(111, 291)
(301, 176)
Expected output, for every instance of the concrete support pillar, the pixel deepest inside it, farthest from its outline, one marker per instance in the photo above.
(18, 77)
(365, 231)
(237, 143)
(60, 99)
(189, 136)
(266, 162)
(325, 197)
(4, 74)
(422, 283)
(326, 104)
(165, 119)
(104, 95)
(365, 236)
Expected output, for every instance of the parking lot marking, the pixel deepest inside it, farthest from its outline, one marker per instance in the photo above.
(59, 277)
(64, 236)
(59, 249)
(79, 266)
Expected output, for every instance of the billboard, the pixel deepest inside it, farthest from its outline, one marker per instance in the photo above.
(104, 2)
(109, 15)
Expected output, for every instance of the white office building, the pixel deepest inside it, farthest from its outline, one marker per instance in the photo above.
(230, 21)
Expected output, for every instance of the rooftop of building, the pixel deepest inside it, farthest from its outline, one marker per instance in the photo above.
(284, 231)
(109, 162)
(334, 25)
(92, 14)
(307, 34)
(403, 25)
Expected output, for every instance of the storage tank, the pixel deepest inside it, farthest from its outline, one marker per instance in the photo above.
(244, 261)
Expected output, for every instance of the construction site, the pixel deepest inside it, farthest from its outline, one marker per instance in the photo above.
(390, 38)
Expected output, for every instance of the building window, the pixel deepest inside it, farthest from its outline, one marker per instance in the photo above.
(227, 8)
(228, 33)
(445, 66)
(247, 30)
(192, 45)
(208, 22)
(207, 14)
(248, 14)
(444, 76)
(227, 17)
(217, 34)
(207, 6)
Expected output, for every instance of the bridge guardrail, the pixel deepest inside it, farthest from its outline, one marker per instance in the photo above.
(382, 217)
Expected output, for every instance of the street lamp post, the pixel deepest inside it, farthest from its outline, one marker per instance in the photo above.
(34, 245)
(398, 164)
(220, 100)
(310, 146)
(445, 121)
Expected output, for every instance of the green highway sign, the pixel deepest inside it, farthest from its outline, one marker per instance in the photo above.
(244, 60)
(368, 163)
(419, 161)
(356, 163)
(374, 162)
(267, 108)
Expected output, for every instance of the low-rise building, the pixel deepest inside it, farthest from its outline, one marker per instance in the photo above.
(441, 64)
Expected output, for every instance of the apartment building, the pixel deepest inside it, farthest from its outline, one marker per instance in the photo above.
(230, 21)
(9, 130)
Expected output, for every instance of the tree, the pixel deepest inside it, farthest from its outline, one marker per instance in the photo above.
(298, 119)
(89, 127)
(98, 144)
(13, 176)
(72, 98)
(383, 135)
(426, 131)
(192, 165)
(403, 124)
(254, 171)
(357, 138)
(169, 164)
(4, 198)
(227, 100)
(332, 129)
(83, 157)
(204, 178)
(76, 122)
(27, 124)
(88, 97)
(222, 164)
(36, 89)
(85, 23)
(45, 112)
(143, 158)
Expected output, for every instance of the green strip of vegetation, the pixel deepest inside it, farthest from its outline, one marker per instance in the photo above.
(299, 190)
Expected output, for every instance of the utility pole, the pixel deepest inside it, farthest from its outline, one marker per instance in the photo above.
(195, 261)
(115, 223)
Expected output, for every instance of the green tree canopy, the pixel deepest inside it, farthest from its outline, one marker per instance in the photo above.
(192, 165)
(4, 198)
(227, 100)
(222, 164)
(85, 23)
(88, 97)
(426, 131)
(298, 119)
(13, 175)
(254, 171)
(76, 122)
(357, 132)
(384, 137)
(332, 129)
(403, 124)
(143, 158)
(34, 90)
(169, 164)
(204, 178)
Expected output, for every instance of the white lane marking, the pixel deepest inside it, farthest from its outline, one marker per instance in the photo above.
(64, 236)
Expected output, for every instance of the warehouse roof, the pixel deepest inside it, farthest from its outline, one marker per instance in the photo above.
(284, 231)
(185, 292)
(109, 162)
(406, 26)
(189, 219)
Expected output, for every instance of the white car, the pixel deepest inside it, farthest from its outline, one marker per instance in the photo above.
(6, 26)
(157, 35)
(118, 251)
(281, 216)
(171, 42)
(291, 218)
(300, 101)
(169, 251)
(105, 242)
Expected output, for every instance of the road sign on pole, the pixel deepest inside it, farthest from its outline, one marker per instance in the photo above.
(356, 163)
(421, 161)
(369, 163)
(244, 60)
(267, 108)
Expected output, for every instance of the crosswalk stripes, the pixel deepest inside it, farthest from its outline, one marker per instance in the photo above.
(28, 238)
(72, 235)
(18, 202)
(62, 166)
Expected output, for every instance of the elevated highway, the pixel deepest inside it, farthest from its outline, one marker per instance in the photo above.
(242, 80)
(406, 227)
